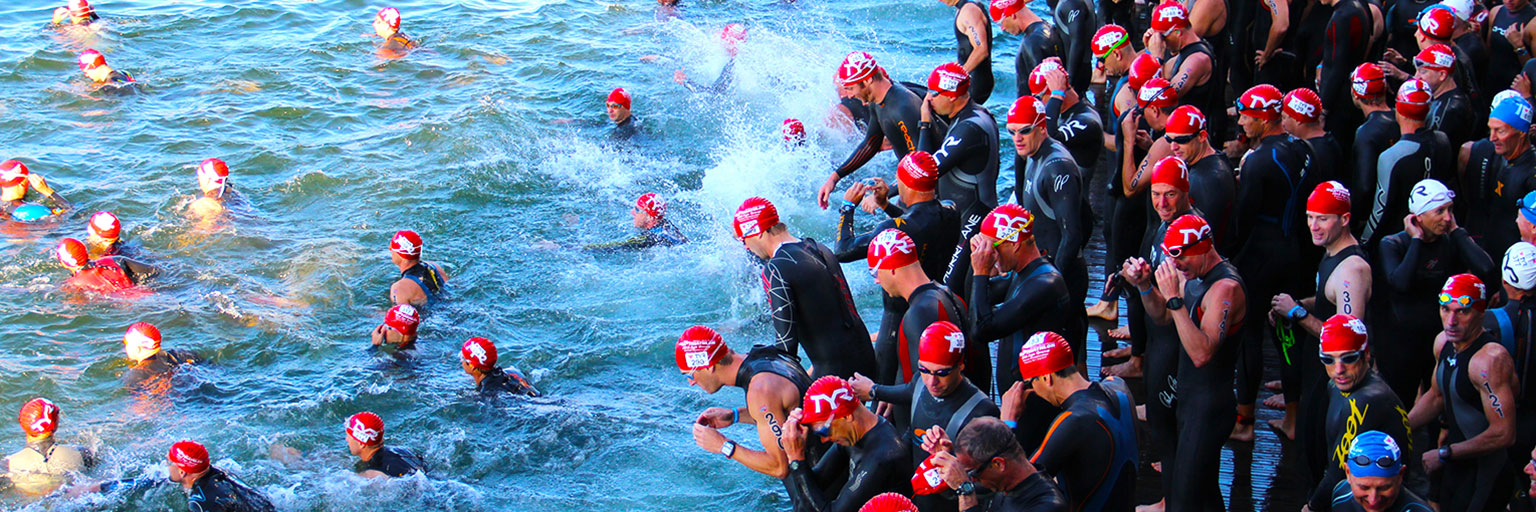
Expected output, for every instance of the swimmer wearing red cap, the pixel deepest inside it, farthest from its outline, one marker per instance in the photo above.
(964, 144)
(387, 25)
(893, 259)
(773, 381)
(985, 455)
(478, 359)
(208, 488)
(102, 275)
(1378, 131)
(420, 282)
(16, 180)
(1302, 117)
(102, 76)
(1192, 65)
(650, 217)
(625, 124)
(731, 38)
(399, 328)
(893, 116)
(365, 439)
(213, 181)
(104, 235)
(43, 465)
(78, 12)
(869, 451)
(146, 359)
(1036, 297)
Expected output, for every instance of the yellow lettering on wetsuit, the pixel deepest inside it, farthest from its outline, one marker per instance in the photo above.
(1351, 427)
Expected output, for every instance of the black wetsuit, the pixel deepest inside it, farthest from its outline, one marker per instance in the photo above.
(968, 159)
(1422, 154)
(930, 303)
(1503, 64)
(1375, 135)
(1118, 12)
(1512, 326)
(933, 228)
(951, 412)
(1033, 494)
(1206, 407)
(894, 119)
(162, 362)
(1491, 190)
(1252, 21)
(1051, 186)
(772, 360)
(1210, 97)
(1076, 22)
(1481, 484)
(1012, 307)
(858, 110)
(426, 276)
(1039, 41)
(664, 234)
(1212, 189)
(1409, 274)
(1344, 501)
(1328, 161)
(848, 476)
(216, 491)
(811, 308)
(1371, 405)
(1347, 46)
(1451, 113)
(981, 77)
(395, 462)
(1092, 448)
(1160, 359)
(1472, 53)
(398, 41)
(1129, 219)
(1080, 129)
(625, 129)
(505, 380)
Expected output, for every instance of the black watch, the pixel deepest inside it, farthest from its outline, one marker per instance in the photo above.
(966, 489)
(1175, 304)
(794, 465)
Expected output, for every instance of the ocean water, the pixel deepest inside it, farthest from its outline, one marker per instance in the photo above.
(335, 147)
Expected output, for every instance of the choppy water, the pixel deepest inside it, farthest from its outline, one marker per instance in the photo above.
(336, 148)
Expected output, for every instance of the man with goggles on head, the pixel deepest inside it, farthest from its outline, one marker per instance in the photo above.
(1030, 295)
(1375, 479)
(1051, 186)
(893, 260)
(868, 457)
(942, 401)
(1473, 396)
(986, 455)
(1357, 401)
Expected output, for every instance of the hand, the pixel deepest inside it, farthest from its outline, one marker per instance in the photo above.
(925, 112)
(1450, 219)
(717, 417)
(1143, 139)
(793, 437)
(1155, 44)
(1137, 272)
(680, 77)
(1259, 58)
(1170, 281)
(862, 386)
(1282, 304)
(826, 190)
(983, 255)
(1056, 79)
(708, 438)
(1432, 461)
(1393, 57)
(1013, 401)
(869, 205)
(1515, 33)
(950, 467)
(1392, 70)
(378, 335)
(935, 440)
(881, 192)
(1411, 225)
(1521, 85)
(855, 193)
(884, 409)
(1128, 124)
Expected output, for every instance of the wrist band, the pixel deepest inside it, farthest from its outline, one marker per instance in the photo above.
(735, 416)
(1147, 291)
(1011, 423)
(847, 205)
(1058, 92)
(1297, 312)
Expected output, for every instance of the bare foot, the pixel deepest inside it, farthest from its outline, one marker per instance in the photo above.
(1155, 507)
(1242, 432)
(1276, 401)
(1289, 432)
(1141, 414)
(1273, 385)
(1127, 370)
(1157, 466)
(1107, 310)
(1120, 333)
(1119, 353)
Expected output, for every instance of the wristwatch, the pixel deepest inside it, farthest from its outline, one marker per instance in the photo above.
(1445, 453)
(1175, 304)
(728, 449)
(966, 489)
(794, 466)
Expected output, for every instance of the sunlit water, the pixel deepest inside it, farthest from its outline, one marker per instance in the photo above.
(335, 148)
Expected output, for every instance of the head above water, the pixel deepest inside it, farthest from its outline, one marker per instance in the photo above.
(365, 432)
(213, 177)
(618, 104)
(387, 22)
(39, 418)
(142, 341)
(649, 211)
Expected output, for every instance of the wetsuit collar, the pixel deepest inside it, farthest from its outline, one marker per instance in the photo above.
(1030, 267)
(42, 446)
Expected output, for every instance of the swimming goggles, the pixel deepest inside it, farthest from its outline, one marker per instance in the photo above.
(1012, 233)
(1384, 462)
(971, 473)
(1185, 139)
(1464, 300)
(1175, 252)
(1347, 358)
(941, 373)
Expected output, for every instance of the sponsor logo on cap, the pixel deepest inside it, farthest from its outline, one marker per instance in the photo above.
(477, 352)
(1193, 235)
(830, 400)
(1108, 39)
(956, 341)
(1006, 224)
(1301, 106)
(949, 81)
(361, 432)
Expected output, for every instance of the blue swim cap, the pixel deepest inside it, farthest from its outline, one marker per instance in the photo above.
(1374, 454)
(1513, 110)
(1528, 207)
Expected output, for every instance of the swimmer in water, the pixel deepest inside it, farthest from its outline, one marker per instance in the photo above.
(387, 25)
(478, 359)
(213, 180)
(43, 465)
(16, 180)
(365, 439)
(794, 132)
(731, 38)
(78, 12)
(102, 275)
(142, 344)
(625, 125)
(650, 216)
(95, 67)
(208, 488)
(102, 235)
(399, 328)
(420, 282)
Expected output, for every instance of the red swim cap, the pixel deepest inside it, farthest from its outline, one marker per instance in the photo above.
(212, 173)
(1109, 38)
(1413, 99)
(1436, 57)
(732, 36)
(403, 318)
(1027, 110)
(755, 217)
(80, 8)
(39, 417)
(1368, 81)
(1169, 16)
(1303, 106)
(856, 67)
(366, 428)
(188, 456)
(1185, 120)
(793, 130)
(652, 205)
(1045, 352)
(1037, 84)
(90, 58)
(928, 479)
(698, 348)
(105, 225)
(891, 249)
(620, 96)
(1466, 290)
(1171, 171)
(1009, 222)
(12, 173)
(1342, 333)
(1144, 67)
(1329, 198)
(949, 80)
(828, 398)
(1260, 102)
(942, 343)
(918, 171)
(141, 341)
(390, 16)
(1157, 92)
(479, 353)
(72, 253)
(407, 244)
(1189, 235)
(889, 502)
(1437, 23)
(1004, 8)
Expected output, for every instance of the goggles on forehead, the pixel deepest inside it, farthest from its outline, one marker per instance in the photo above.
(1179, 251)
(1464, 300)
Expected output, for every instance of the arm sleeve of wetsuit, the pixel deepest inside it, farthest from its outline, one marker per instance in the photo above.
(1365, 158)
(854, 248)
(869, 478)
(893, 211)
(141, 269)
(865, 150)
(1053, 113)
(963, 141)
(805, 483)
(1399, 262)
(1076, 58)
(1067, 200)
(928, 136)
(781, 308)
(1061, 442)
(1339, 42)
(900, 394)
(995, 322)
(726, 78)
(1478, 262)
(636, 242)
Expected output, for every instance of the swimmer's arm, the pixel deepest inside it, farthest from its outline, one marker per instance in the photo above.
(372, 473)
(1492, 373)
(900, 394)
(962, 141)
(972, 22)
(769, 418)
(636, 242)
(866, 150)
(1202, 341)
(996, 322)
(1322, 496)
(805, 483)
(1196, 70)
(781, 309)
(1280, 23)
(1352, 287)
(1399, 263)
(1068, 202)
(1062, 441)
(1430, 404)
(851, 248)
